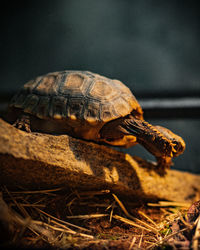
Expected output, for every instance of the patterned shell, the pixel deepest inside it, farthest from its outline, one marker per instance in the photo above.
(76, 95)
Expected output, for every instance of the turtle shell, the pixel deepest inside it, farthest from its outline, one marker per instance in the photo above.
(76, 95)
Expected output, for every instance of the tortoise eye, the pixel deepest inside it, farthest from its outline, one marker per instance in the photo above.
(175, 145)
(178, 147)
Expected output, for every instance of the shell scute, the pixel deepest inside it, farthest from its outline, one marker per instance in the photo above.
(91, 112)
(107, 112)
(103, 90)
(42, 108)
(19, 99)
(30, 85)
(31, 103)
(58, 107)
(47, 85)
(121, 106)
(74, 84)
(75, 108)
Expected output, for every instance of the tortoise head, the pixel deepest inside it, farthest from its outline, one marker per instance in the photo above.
(173, 144)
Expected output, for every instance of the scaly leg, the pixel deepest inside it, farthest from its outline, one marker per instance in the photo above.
(159, 141)
(23, 123)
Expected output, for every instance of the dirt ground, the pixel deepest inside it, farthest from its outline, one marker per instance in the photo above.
(70, 219)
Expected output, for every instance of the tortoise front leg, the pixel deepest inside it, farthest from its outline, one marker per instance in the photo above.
(23, 122)
(178, 142)
(178, 146)
(159, 141)
(164, 162)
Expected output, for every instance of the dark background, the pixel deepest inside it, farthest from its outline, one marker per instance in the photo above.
(152, 46)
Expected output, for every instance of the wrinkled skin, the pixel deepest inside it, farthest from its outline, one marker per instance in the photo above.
(159, 141)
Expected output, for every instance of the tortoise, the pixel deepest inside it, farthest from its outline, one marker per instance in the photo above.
(92, 107)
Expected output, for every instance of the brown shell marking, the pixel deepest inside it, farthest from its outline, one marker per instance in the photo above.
(77, 95)
(74, 85)
(103, 90)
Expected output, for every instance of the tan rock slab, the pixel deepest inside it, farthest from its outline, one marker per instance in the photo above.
(34, 160)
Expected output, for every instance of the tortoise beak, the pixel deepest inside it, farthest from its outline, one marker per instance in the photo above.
(178, 147)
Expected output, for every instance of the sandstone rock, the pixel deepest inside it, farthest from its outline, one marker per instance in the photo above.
(34, 160)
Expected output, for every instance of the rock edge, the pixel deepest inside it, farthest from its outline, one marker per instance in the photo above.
(35, 161)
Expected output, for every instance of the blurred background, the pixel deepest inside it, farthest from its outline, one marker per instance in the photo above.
(151, 46)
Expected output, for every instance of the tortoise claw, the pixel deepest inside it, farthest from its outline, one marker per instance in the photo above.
(23, 123)
(164, 162)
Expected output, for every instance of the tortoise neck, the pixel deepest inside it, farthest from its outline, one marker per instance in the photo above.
(150, 137)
